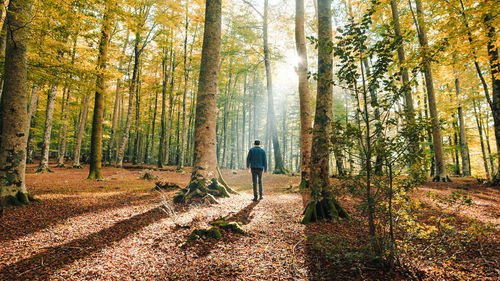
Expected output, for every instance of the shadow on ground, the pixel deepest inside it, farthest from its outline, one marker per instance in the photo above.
(42, 265)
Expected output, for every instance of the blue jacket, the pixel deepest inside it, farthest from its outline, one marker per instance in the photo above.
(257, 158)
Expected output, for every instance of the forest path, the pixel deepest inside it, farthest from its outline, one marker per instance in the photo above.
(116, 230)
(99, 231)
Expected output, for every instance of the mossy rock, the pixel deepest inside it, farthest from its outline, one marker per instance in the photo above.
(229, 226)
(213, 232)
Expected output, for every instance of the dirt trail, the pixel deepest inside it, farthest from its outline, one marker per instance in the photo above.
(139, 241)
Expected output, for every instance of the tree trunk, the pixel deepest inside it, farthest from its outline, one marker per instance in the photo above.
(14, 125)
(322, 204)
(480, 130)
(495, 78)
(161, 149)
(278, 158)
(204, 181)
(96, 138)
(131, 92)
(64, 129)
(464, 147)
(81, 131)
(31, 111)
(409, 108)
(44, 161)
(436, 130)
(135, 156)
(111, 142)
(304, 96)
(170, 109)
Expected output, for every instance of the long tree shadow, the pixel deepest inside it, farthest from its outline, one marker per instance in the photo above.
(243, 216)
(42, 265)
(21, 221)
(205, 247)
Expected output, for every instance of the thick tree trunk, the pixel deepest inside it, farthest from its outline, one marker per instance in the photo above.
(278, 158)
(96, 138)
(204, 181)
(126, 131)
(14, 125)
(304, 96)
(322, 204)
(44, 161)
(81, 131)
(464, 147)
(436, 129)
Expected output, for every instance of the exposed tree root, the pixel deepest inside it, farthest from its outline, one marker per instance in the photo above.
(326, 208)
(441, 179)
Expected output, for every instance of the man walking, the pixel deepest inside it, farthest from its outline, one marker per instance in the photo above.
(257, 162)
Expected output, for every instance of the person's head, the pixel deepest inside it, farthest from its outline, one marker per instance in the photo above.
(256, 143)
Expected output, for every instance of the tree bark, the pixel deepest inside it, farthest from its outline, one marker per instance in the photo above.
(304, 95)
(96, 138)
(161, 149)
(81, 131)
(494, 59)
(480, 130)
(31, 111)
(279, 167)
(441, 174)
(111, 142)
(131, 93)
(322, 204)
(464, 147)
(14, 125)
(44, 161)
(135, 156)
(204, 182)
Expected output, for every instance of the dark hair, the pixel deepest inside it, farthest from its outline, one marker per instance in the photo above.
(256, 142)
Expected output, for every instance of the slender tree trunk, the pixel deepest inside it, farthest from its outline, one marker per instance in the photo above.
(64, 129)
(161, 149)
(494, 59)
(278, 158)
(204, 176)
(322, 204)
(409, 108)
(31, 112)
(126, 130)
(135, 156)
(304, 96)
(436, 130)
(81, 131)
(170, 111)
(14, 125)
(464, 147)
(96, 138)
(44, 161)
(480, 130)
(111, 142)
(153, 123)
(180, 163)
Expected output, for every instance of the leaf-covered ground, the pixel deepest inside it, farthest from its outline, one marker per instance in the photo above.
(115, 230)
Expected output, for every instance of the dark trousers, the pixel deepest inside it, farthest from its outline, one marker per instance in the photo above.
(257, 177)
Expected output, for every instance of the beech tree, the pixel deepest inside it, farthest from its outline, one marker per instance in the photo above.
(13, 113)
(206, 181)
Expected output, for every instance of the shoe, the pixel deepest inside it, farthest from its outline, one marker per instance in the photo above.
(261, 198)
(255, 200)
